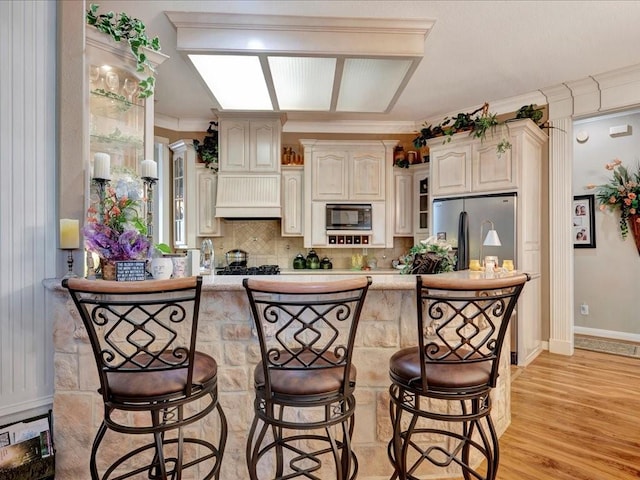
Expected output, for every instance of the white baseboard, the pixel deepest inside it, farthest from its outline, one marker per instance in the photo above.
(597, 332)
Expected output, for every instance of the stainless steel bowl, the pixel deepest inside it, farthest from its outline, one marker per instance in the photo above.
(236, 258)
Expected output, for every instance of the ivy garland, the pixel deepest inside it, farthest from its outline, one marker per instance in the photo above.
(123, 27)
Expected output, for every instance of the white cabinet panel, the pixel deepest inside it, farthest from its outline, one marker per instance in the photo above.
(329, 176)
(249, 145)
(366, 176)
(234, 146)
(492, 171)
(292, 201)
(206, 185)
(451, 170)
(403, 203)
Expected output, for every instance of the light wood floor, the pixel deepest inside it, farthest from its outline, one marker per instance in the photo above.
(574, 418)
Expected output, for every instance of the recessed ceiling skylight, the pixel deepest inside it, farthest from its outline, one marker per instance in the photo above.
(287, 63)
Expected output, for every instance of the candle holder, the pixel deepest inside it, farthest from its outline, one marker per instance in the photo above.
(101, 185)
(69, 273)
(149, 182)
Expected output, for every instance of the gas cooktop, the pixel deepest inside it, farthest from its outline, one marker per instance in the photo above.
(260, 270)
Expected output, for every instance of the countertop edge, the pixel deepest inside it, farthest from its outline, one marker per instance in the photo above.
(380, 281)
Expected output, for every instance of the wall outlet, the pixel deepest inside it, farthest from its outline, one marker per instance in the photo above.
(584, 309)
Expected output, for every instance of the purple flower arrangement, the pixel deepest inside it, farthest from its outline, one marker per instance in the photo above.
(121, 235)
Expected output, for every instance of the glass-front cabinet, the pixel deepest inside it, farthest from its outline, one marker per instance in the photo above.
(119, 122)
(117, 115)
(421, 199)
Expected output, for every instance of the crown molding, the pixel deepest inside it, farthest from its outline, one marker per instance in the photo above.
(294, 126)
(181, 124)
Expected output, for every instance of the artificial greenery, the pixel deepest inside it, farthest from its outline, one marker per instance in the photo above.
(208, 149)
(123, 27)
(431, 252)
(477, 123)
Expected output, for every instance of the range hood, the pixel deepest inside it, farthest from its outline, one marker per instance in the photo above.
(248, 196)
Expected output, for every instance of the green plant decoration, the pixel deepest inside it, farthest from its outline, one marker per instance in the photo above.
(478, 124)
(208, 149)
(123, 27)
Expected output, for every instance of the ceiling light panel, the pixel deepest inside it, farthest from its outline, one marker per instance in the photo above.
(236, 81)
(370, 84)
(303, 83)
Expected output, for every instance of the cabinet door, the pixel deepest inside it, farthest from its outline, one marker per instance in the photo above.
(378, 238)
(234, 146)
(292, 206)
(206, 185)
(403, 204)
(421, 200)
(492, 171)
(264, 146)
(451, 170)
(178, 203)
(366, 176)
(329, 177)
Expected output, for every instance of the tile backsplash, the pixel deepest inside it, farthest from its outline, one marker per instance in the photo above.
(264, 245)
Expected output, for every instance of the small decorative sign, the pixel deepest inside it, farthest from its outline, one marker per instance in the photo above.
(131, 271)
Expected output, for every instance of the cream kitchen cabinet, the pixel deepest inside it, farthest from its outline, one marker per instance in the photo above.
(403, 202)
(194, 196)
(348, 171)
(206, 185)
(352, 171)
(292, 201)
(467, 165)
(249, 145)
(421, 200)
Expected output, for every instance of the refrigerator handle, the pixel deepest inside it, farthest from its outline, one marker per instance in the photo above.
(463, 242)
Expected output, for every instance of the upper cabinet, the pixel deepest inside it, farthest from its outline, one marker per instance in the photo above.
(250, 145)
(348, 171)
(120, 122)
(249, 171)
(352, 173)
(468, 165)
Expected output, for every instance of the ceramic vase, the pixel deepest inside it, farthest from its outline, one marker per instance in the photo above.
(161, 268)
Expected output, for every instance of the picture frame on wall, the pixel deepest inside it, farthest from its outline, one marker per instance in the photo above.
(584, 233)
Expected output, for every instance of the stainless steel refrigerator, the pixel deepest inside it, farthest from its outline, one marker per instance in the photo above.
(459, 221)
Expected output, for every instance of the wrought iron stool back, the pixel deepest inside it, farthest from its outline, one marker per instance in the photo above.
(443, 385)
(143, 337)
(305, 380)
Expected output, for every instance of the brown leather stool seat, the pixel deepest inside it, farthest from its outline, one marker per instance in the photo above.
(404, 365)
(154, 383)
(304, 384)
(440, 403)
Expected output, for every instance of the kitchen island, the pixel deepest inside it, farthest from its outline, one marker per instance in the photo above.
(387, 324)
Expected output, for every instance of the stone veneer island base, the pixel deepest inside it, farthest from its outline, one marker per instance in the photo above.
(387, 324)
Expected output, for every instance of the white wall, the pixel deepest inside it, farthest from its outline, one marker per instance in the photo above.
(28, 220)
(607, 277)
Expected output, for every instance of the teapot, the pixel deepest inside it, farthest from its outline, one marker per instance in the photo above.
(326, 264)
(299, 262)
(313, 261)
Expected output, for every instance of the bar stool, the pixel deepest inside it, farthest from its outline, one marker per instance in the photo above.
(443, 385)
(304, 384)
(153, 381)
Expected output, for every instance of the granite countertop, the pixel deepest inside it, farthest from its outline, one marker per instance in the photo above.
(382, 279)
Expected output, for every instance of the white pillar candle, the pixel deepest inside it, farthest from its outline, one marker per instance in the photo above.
(102, 166)
(149, 169)
(69, 233)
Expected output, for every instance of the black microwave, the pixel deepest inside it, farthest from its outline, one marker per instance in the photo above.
(349, 216)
